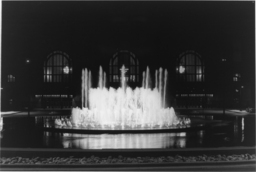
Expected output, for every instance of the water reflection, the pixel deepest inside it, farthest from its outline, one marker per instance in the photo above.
(242, 129)
(209, 117)
(200, 134)
(123, 141)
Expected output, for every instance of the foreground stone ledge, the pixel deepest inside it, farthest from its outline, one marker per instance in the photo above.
(94, 160)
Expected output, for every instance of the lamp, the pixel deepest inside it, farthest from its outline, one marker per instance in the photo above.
(181, 69)
(66, 70)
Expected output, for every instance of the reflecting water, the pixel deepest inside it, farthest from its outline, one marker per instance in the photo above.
(242, 133)
(238, 132)
(124, 141)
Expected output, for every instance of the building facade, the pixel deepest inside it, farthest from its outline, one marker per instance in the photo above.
(194, 85)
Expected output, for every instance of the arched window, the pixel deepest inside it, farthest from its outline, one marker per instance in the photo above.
(190, 67)
(126, 58)
(57, 67)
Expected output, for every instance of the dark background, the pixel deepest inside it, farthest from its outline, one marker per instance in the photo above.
(156, 32)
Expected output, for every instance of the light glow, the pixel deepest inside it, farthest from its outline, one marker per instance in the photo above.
(66, 70)
(181, 69)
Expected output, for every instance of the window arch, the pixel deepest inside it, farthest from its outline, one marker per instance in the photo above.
(190, 67)
(57, 67)
(126, 58)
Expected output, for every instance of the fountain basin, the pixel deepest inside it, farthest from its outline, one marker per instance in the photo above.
(194, 125)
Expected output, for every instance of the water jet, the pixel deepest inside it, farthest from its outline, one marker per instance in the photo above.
(124, 108)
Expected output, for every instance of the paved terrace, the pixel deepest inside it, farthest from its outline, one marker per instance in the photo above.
(227, 166)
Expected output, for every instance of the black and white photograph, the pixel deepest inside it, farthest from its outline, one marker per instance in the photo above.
(127, 85)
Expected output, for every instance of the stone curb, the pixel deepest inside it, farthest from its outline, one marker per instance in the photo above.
(201, 163)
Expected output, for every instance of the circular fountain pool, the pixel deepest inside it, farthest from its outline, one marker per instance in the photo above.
(204, 131)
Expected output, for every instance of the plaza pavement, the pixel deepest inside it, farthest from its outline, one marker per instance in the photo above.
(183, 167)
(246, 166)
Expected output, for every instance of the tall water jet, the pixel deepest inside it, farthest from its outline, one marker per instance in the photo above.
(124, 108)
(89, 81)
(105, 80)
(165, 83)
(143, 79)
(156, 79)
(147, 78)
(160, 85)
(100, 85)
(82, 89)
(123, 78)
(86, 87)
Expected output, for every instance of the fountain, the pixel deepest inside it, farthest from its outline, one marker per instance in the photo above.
(124, 108)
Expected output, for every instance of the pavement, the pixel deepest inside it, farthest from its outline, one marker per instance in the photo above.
(37, 112)
(249, 166)
(48, 152)
(232, 112)
(246, 165)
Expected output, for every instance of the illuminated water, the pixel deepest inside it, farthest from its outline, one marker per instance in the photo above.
(123, 108)
(124, 141)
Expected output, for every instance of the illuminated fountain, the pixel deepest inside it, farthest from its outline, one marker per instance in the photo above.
(124, 108)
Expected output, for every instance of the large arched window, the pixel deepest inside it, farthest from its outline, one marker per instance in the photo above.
(126, 58)
(57, 67)
(190, 67)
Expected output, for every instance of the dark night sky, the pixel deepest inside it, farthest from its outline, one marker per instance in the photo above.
(92, 31)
